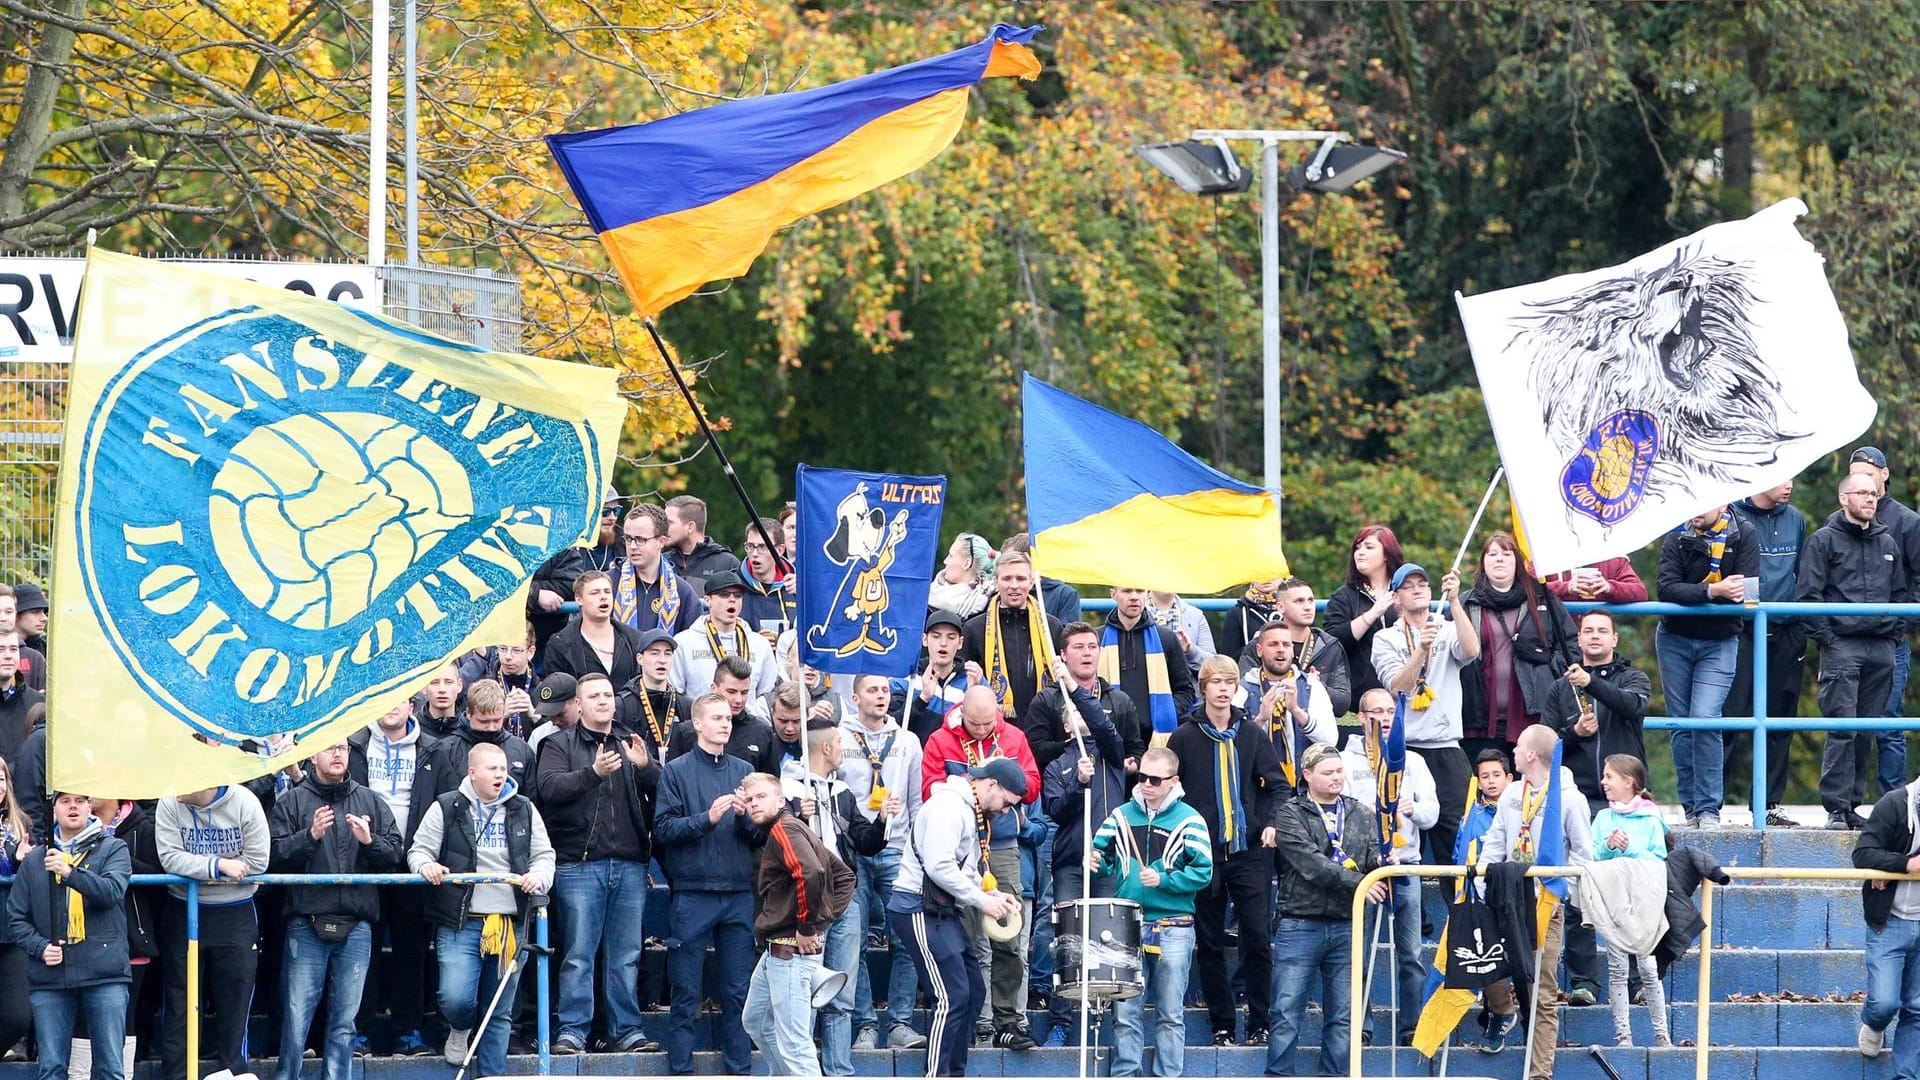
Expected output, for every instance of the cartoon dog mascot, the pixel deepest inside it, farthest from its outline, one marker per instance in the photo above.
(864, 543)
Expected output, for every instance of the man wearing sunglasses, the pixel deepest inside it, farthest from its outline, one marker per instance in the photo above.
(1157, 847)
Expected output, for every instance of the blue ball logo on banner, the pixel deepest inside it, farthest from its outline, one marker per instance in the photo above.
(866, 543)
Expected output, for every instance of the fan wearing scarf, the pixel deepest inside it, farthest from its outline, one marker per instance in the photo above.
(1327, 842)
(1232, 777)
(647, 593)
(1014, 640)
(65, 913)
(1711, 560)
(1147, 661)
(486, 827)
(1293, 702)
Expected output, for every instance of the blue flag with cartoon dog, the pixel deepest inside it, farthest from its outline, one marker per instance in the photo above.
(868, 543)
(278, 515)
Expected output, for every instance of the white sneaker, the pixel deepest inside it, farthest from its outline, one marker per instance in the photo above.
(245, 1076)
(1872, 1043)
(456, 1053)
(219, 1074)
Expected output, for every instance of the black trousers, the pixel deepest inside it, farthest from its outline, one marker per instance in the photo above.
(1245, 879)
(1856, 679)
(16, 1012)
(397, 978)
(229, 960)
(1786, 670)
(1450, 770)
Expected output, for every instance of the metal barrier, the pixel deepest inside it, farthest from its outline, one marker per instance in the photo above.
(1703, 1006)
(542, 958)
(1756, 725)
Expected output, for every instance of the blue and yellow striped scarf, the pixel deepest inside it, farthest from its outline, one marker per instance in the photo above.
(1226, 787)
(1159, 685)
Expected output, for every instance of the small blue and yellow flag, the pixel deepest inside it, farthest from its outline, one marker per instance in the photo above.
(1111, 501)
(1443, 1007)
(867, 544)
(278, 515)
(694, 198)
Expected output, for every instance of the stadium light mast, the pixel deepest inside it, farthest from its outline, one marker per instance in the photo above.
(1205, 165)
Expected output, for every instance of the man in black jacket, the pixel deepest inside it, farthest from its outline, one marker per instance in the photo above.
(749, 738)
(1714, 560)
(446, 763)
(327, 824)
(597, 782)
(596, 641)
(1327, 842)
(1049, 733)
(74, 965)
(695, 555)
(1853, 559)
(1904, 523)
(1237, 806)
(649, 706)
(386, 757)
(1892, 912)
(1147, 661)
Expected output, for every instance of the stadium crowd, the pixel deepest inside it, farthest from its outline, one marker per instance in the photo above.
(652, 728)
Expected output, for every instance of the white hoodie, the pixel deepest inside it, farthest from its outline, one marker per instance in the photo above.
(899, 770)
(390, 766)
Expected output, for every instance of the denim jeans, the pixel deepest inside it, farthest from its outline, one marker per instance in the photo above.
(1893, 744)
(1410, 973)
(1893, 989)
(846, 948)
(1696, 674)
(601, 904)
(56, 1011)
(876, 886)
(724, 920)
(1303, 948)
(467, 984)
(1167, 987)
(312, 965)
(779, 1014)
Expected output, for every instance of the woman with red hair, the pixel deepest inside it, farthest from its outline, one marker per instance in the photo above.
(1364, 605)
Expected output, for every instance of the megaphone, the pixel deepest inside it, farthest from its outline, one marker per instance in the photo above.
(828, 988)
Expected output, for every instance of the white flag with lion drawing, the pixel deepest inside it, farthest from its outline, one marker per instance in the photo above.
(1629, 399)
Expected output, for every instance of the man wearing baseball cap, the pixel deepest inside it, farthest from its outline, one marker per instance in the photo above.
(1421, 657)
(719, 633)
(1904, 523)
(556, 702)
(649, 705)
(937, 690)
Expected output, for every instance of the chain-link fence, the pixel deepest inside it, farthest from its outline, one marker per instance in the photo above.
(479, 307)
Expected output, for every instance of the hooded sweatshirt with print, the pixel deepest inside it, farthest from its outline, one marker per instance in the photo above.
(490, 847)
(193, 839)
(899, 753)
(1172, 840)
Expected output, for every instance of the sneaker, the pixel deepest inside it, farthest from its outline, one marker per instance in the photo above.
(983, 1033)
(410, 1044)
(866, 1039)
(1691, 822)
(1056, 1038)
(1709, 820)
(1223, 1038)
(309, 1054)
(905, 1038)
(1499, 1030)
(1582, 996)
(1855, 821)
(1623, 1041)
(1639, 996)
(361, 1048)
(1872, 1043)
(455, 1052)
(567, 1044)
(1663, 1042)
(1012, 1038)
(1837, 822)
(1256, 1036)
(637, 1043)
(1778, 819)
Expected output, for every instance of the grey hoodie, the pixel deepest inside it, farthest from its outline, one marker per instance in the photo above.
(192, 839)
(490, 849)
(899, 770)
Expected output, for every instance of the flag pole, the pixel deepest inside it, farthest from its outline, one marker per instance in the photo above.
(1472, 527)
(726, 466)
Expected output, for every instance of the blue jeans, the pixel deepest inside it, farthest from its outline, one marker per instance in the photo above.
(725, 921)
(601, 902)
(1303, 948)
(1696, 674)
(1893, 744)
(846, 949)
(467, 984)
(1410, 973)
(54, 1015)
(876, 886)
(1893, 989)
(1167, 987)
(779, 1014)
(312, 965)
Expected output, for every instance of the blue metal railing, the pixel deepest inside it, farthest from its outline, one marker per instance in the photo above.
(1756, 725)
(542, 957)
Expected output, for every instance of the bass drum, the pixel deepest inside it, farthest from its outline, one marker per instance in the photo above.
(1109, 931)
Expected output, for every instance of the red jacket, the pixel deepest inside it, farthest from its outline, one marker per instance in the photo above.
(949, 745)
(1627, 586)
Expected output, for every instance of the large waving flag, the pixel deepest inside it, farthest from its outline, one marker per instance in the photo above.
(1444, 1006)
(867, 545)
(693, 198)
(1111, 501)
(1629, 399)
(277, 515)
(1388, 760)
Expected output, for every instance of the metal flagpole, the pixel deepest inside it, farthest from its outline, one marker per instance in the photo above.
(1533, 1001)
(1086, 887)
(1373, 948)
(1474, 526)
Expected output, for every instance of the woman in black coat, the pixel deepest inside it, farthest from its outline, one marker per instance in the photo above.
(1526, 642)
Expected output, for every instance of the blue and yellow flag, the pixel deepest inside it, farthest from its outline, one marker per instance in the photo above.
(1388, 760)
(694, 198)
(277, 515)
(868, 543)
(1111, 501)
(1444, 1006)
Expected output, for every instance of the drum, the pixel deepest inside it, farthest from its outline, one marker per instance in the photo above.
(1109, 930)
